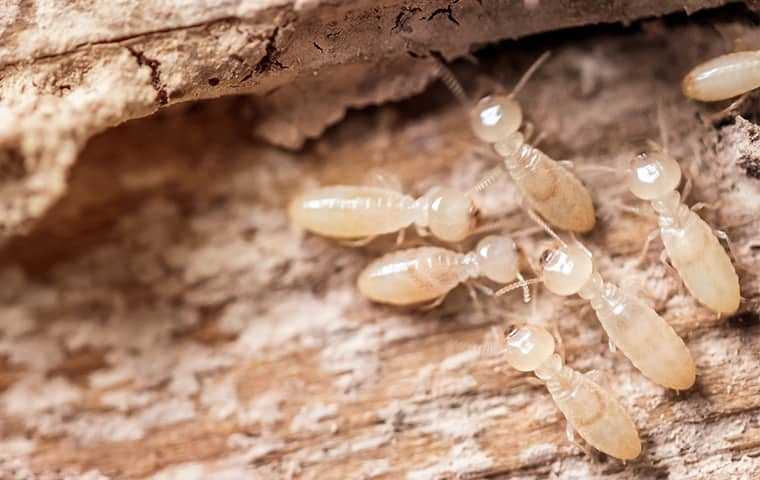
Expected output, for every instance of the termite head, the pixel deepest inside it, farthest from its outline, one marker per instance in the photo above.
(452, 215)
(494, 118)
(497, 258)
(528, 347)
(653, 175)
(566, 269)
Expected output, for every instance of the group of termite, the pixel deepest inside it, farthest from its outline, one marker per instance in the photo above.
(554, 198)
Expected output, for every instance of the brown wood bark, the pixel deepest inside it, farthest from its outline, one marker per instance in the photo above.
(164, 320)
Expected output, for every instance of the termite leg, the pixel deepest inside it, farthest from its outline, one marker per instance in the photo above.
(475, 300)
(400, 237)
(633, 285)
(530, 136)
(483, 288)
(490, 227)
(731, 250)
(651, 236)
(538, 139)
(591, 168)
(611, 345)
(687, 186)
(560, 345)
(528, 131)
(570, 434)
(433, 304)
(718, 116)
(671, 270)
(709, 206)
(358, 243)
(632, 210)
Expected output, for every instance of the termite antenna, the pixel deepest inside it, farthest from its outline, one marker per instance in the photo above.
(516, 285)
(526, 288)
(540, 221)
(452, 82)
(662, 125)
(580, 244)
(489, 179)
(529, 73)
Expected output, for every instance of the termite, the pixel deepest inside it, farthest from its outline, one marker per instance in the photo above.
(364, 212)
(693, 248)
(723, 77)
(643, 336)
(548, 187)
(428, 274)
(590, 410)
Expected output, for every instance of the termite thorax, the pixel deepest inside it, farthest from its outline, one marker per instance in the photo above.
(553, 372)
(516, 153)
(672, 213)
(600, 294)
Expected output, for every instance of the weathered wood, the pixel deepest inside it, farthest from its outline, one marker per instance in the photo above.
(71, 69)
(164, 319)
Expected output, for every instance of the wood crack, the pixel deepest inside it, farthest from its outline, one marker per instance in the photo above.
(155, 74)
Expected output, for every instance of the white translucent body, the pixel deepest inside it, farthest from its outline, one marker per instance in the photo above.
(698, 256)
(351, 212)
(417, 275)
(723, 77)
(643, 336)
(592, 411)
(550, 189)
(693, 248)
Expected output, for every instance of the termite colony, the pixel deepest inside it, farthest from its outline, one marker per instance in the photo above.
(554, 198)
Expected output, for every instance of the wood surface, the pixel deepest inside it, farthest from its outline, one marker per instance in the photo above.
(162, 318)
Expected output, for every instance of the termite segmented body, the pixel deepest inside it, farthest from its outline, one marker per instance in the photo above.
(723, 77)
(412, 276)
(693, 248)
(643, 336)
(354, 212)
(549, 188)
(592, 411)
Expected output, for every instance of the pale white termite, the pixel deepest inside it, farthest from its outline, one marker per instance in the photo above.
(548, 187)
(723, 77)
(590, 410)
(363, 212)
(643, 336)
(694, 250)
(428, 274)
